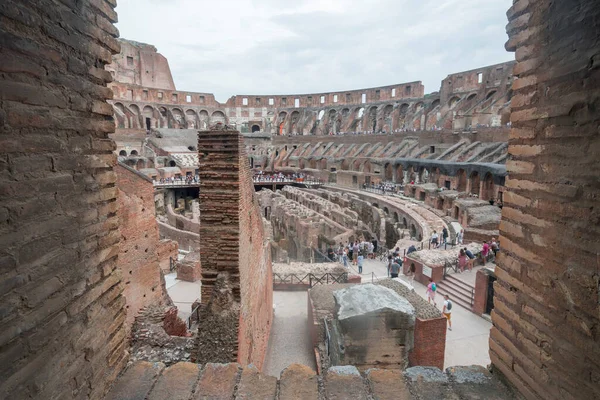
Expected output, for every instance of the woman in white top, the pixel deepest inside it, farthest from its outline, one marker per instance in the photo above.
(434, 239)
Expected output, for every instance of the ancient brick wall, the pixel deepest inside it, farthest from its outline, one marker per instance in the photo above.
(62, 311)
(545, 337)
(430, 343)
(138, 255)
(236, 267)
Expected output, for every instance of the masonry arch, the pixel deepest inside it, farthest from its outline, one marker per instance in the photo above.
(323, 164)
(475, 183)
(399, 173)
(471, 96)
(435, 103)
(388, 172)
(396, 217)
(191, 117)
(218, 117)
(133, 153)
(487, 190)
(453, 101)
(123, 153)
(462, 180)
(178, 117)
(312, 164)
(366, 167)
(121, 116)
(255, 128)
(148, 115)
(490, 94)
(360, 112)
(419, 106)
(356, 165)
(136, 116)
(372, 120)
(345, 165)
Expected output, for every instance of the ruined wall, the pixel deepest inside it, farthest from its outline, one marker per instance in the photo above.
(138, 258)
(62, 311)
(236, 274)
(546, 336)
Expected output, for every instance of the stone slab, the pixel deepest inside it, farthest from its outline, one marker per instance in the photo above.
(255, 385)
(387, 384)
(136, 382)
(344, 382)
(363, 299)
(217, 382)
(176, 382)
(298, 382)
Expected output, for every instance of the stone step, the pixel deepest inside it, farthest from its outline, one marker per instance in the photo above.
(455, 297)
(452, 280)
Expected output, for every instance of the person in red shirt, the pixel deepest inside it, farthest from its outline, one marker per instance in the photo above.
(485, 251)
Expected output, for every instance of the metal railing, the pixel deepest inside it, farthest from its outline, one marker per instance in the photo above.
(176, 182)
(310, 279)
(327, 337)
(196, 313)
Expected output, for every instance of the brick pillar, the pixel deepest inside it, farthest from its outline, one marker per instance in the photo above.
(237, 285)
(546, 336)
(219, 245)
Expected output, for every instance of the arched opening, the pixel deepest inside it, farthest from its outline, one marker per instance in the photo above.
(413, 231)
(191, 119)
(251, 162)
(345, 166)
(255, 128)
(453, 100)
(323, 165)
(386, 211)
(471, 96)
(217, 117)
(404, 222)
(396, 217)
(360, 112)
(367, 167)
(475, 183)
(435, 104)
(312, 164)
(321, 114)
(462, 180)
(490, 94)
(148, 116)
(172, 163)
(389, 172)
(133, 153)
(487, 192)
(399, 173)
(356, 166)
(123, 153)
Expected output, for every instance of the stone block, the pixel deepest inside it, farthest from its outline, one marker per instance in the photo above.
(217, 382)
(254, 385)
(344, 382)
(176, 382)
(388, 384)
(298, 382)
(136, 382)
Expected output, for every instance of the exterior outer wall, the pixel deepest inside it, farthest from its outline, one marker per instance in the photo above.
(545, 337)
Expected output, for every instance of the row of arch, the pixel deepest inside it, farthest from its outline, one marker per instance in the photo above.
(147, 117)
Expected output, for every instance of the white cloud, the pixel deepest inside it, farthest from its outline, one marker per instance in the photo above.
(282, 47)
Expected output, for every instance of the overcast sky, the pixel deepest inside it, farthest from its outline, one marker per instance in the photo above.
(229, 47)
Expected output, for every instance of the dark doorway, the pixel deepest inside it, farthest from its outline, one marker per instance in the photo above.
(255, 128)
(447, 184)
(148, 124)
(489, 304)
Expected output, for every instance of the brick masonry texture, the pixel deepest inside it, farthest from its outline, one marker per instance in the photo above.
(545, 337)
(145, 380)
(62, 311)
(237, 282)
(138, 258)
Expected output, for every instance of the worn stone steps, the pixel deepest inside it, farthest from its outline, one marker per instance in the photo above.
(187, 381)
(460, 292)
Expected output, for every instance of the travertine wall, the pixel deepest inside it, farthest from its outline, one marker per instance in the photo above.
(138, 258)
(545, 337)
(236, 266)
(61, 309)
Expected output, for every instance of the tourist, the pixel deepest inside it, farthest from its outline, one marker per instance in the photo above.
(396, 252)
(445, 235)
(495, 247)
(345, 257)
(394, 269)
(371, 249)
(340, 252)
(460, 236)
(330, 254)
(411, 249)
(434, 239)
(447, 311)
(485, 252)
(355, 253)
(471, 258)
(360, 262)
(431, 289)
(389, 265)
(462, 260)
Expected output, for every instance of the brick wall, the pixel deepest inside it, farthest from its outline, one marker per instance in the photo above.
(545, 337)
(430, 343)
(62, 311)
(138, 255)
(237, 280)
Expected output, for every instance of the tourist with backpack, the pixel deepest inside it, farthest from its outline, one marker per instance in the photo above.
(447, 311)
(431, 289)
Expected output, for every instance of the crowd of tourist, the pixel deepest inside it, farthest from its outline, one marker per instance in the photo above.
(384, 187)
(281, 177)
(178, 180)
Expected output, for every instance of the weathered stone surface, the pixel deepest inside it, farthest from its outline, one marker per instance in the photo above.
(344, 382)
(176, 382)
(359, 300)
(298, 382)
(136, 382)
(217, 381)
(387, 384)
(254, 385)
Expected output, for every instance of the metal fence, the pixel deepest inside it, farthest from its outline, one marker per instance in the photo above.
(310, 279)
